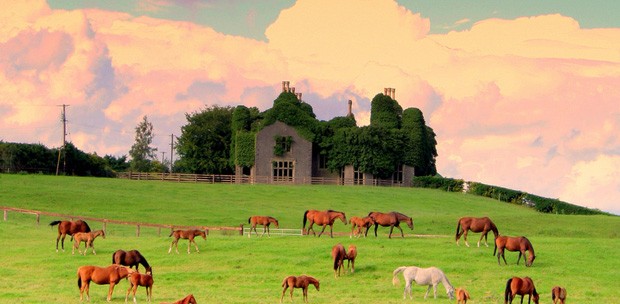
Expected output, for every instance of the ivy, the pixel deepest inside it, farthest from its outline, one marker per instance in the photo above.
(244, 148)
(283, 145)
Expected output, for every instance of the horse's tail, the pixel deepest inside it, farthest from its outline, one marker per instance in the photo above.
(171, 232)
(87, 229)
(507, 292)
(458, 227)
(305, 219)
(249, 219)
(395, 273)
(54, 223)
(79, 281)
(495, 248)
(284, 282)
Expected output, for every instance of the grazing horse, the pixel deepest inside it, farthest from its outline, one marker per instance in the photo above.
(88, 238)
(262, 220)
(69, 227)
(558, 295)
(137, 279)
(101, 275)
(462, 296)
(338, 255)
(431, 276)
(475, 224)
(359, 223)
(391, 219)
(521, 244)
(520, 286)
(130, 258)
(350, 257)
(323, 218)
(189, 299)
(186, 234)
(299, 282)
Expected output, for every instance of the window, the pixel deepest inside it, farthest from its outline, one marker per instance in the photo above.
(322, 161)
(397, 177)
(282, 170)
(358, 177)
(283, 145)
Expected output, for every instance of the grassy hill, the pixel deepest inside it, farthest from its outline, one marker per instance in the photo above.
(578, 252)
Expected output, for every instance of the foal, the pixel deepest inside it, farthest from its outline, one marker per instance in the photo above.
(189, 299)
(558, 295)
(186, 234)
(350, 257)
(299, 282)
(339, 255)
(462, 296)
(88, 238)
(137, 279)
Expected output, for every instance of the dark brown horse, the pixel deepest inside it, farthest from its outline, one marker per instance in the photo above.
(520, 243)
(262, 220)
(130, 258)
(69, 228)
(520, 286)
(299, 282)
(359, 223)
(350, 257)
(138, 279)
(475, 224)
(558, 295)
(391, 219)
(338, 255)
(186, 234)
(101, 275)
(88, 238)
(323, 218)
(189, 299)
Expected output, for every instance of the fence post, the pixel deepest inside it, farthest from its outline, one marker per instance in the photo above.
(137, 230)
(5, 214)
(38, 217)
(241, 231)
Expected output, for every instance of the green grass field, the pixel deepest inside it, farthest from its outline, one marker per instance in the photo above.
(578, 252)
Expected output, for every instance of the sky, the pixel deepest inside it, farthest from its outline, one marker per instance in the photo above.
(521, 94)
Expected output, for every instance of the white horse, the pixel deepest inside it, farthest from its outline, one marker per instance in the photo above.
(431, 276)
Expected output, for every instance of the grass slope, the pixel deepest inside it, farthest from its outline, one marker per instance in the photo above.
(578, 252)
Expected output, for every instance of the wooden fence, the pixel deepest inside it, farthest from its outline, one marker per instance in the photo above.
(138, 225)
(233, 179)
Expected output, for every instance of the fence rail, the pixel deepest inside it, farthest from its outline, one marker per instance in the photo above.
(138, 225)
(233, 179)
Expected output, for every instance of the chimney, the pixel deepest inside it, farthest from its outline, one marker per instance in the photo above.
(394, 93)
(298, 96)
(385, 91)
(283, 86)
(292, 90)
(350, 105)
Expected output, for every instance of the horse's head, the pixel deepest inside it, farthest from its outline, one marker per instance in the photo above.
(203, 234)
(410, 223)
(102, 234)
(530, 260)
(275, 222)
(149, 271)
(344, 218)
(535, 296)
(450, 292)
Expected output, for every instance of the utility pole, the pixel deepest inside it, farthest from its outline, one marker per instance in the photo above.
(171, 151)
(63, 118)
(163, 159)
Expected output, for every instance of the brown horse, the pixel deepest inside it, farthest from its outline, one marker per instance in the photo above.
(69, 228)
(475, 224)
(137, 279)
(558, 295)
(520, 286)
(520, 243)
(462, 296)
(262, 220)
(299, 282)
(130, 258)
(323, 218)
(391, 219)
(186, 234)
(88, 238)
(338, 255)
(359, 223)
(101, 275)
(350, 257)
(189, 299)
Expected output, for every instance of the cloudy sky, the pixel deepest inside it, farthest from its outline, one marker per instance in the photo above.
(522, 94)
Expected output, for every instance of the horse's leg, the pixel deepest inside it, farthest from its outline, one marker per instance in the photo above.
(427, 290)
(110, 291)
(376, 226)
(331, 230)
(519, 258)
(391, 229)
(310, 228)
(283, 291)
(264, 229)
(129, 290)
(483, 235)
(268, 232)
(465, 231)
(57, 239)
(401, 231)
(435, 291)
(62, 243)
(323, 230)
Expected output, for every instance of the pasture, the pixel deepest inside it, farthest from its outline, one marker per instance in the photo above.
(577, 252)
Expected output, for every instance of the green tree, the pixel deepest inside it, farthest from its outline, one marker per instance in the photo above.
(141, 152)
(204, 144)
(385, 112)
(419, 143)
(289, 110)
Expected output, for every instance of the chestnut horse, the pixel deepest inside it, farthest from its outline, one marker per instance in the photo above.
(338, 255)
(101, 275)
(189, 299)
(558, 295)
(69, 228)
(262, 220)
(475, 224)
(137, 279)
(391, 219)
(130, 258)
(360, 222)
(520, 286)
(520, 243)
(186, 234)
(350, 257)
(299, 282)
(462, 296)
(323, 218)
(88, 238)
